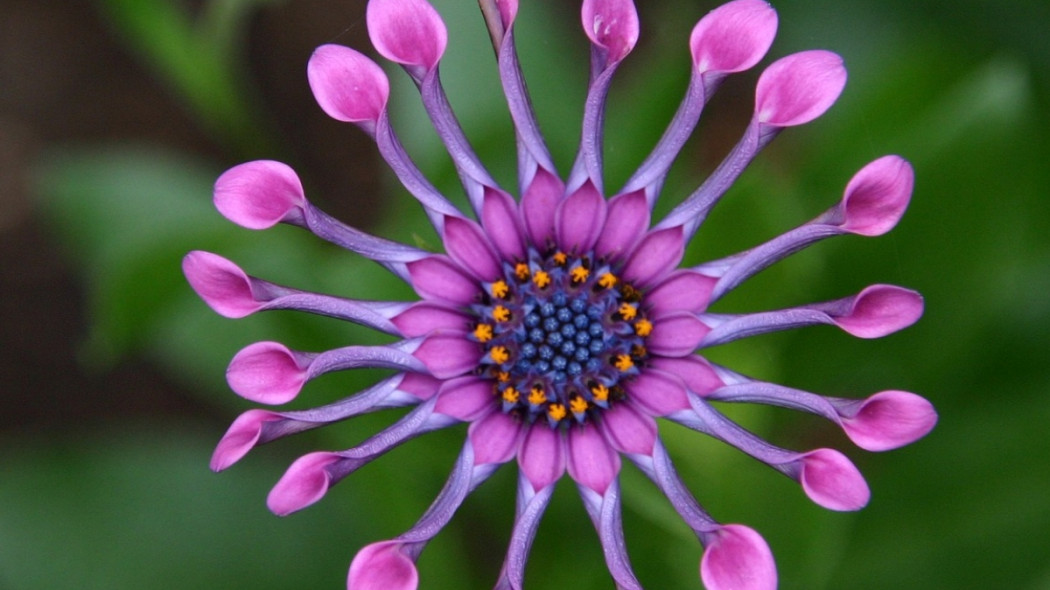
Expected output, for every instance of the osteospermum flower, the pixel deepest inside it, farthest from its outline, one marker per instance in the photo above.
(558, 325)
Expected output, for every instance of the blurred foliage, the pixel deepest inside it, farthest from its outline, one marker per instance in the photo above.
(133, 507)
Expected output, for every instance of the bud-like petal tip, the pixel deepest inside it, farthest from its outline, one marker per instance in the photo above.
(241, 437)
(737, 558)
(258, 194)
(799, 88)
(890, 419)
(877, 196)
(348, 86)
(880, 310)
(267, 373)
(611, 25)
(409, 32)
(382, 566)
(305, 482)
(832, 481)
(733, 37)
(220, 283)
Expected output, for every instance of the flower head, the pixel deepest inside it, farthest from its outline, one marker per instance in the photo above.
(559, 325)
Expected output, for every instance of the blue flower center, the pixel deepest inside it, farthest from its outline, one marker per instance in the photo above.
(561, 338)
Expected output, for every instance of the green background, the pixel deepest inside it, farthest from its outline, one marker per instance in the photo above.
(114, 383)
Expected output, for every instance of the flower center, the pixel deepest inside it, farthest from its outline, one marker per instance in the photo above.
(560, 337)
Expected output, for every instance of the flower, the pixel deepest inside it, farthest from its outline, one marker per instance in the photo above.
(559, 326)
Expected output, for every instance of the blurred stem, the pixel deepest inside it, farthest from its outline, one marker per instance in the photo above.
(200, 60)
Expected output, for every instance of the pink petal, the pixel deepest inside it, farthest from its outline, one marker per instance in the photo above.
(676, 334)
(409, 32)
(240, 438)
(466, 243)
(538, 206)
(832, 481)
(466, 399)
(694, 371)
(305, 482)
(733, 37)
(683, 290)
(626, 221)
(628, 430)
(494, 438)
(657, 254)
(799, 88)
(499, 217)
(437, 277)
(890, 419)
(220, 283)
(508, 10)
(258, 194)
(880, 310)
(348, 86)
(580, 218)
(540, 455)
(266, 372)
(382, 566)
(657, 392)
(591, 461)
(611, 24)
(448, 355)
(424, 317)
(737, 558)
(422, 386)
(877, 196)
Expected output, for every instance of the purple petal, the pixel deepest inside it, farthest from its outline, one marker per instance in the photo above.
(538, 206)
(258, 194)
(657, 254)
(888, 420)
(348, 86)
(676, 334)
(305, 482)
(580, 218)
(877, 196)
(448, 355)
(832, 481)
(611, 25)
(436, 277)
(382, 566)
(604, 510)
(494, 438)
(626, 221)
(628, 430)
(241, 437)
(425, 317)
(409, 32)
(733, 37)
(798, 88)
(591, 461)
(541, 456)
(466, 243)
(466, 398)
(683, 290)
(499, 217)
(267, 373)
(737, 558)
(880, 310)
(526, 522)
(220, 283)
(658, 392)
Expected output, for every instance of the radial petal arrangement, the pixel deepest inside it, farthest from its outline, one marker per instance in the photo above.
(559, 326)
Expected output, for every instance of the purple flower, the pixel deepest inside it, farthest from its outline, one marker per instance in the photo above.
(559, 326)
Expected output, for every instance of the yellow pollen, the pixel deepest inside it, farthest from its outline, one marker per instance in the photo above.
(628, 311)
(607, 280)
(521, 270)
(643, 327)
(500, 313)
(541, 278)
(500, 354)
(483, 332)
(500, 289)
(579, 274)
(578, 405)
(600, 392)
(511, 395)
(623, 362)
(638, 351)
(560, 257)
(537, 397)
(630, 293)
(556, 412)
(502, 376)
